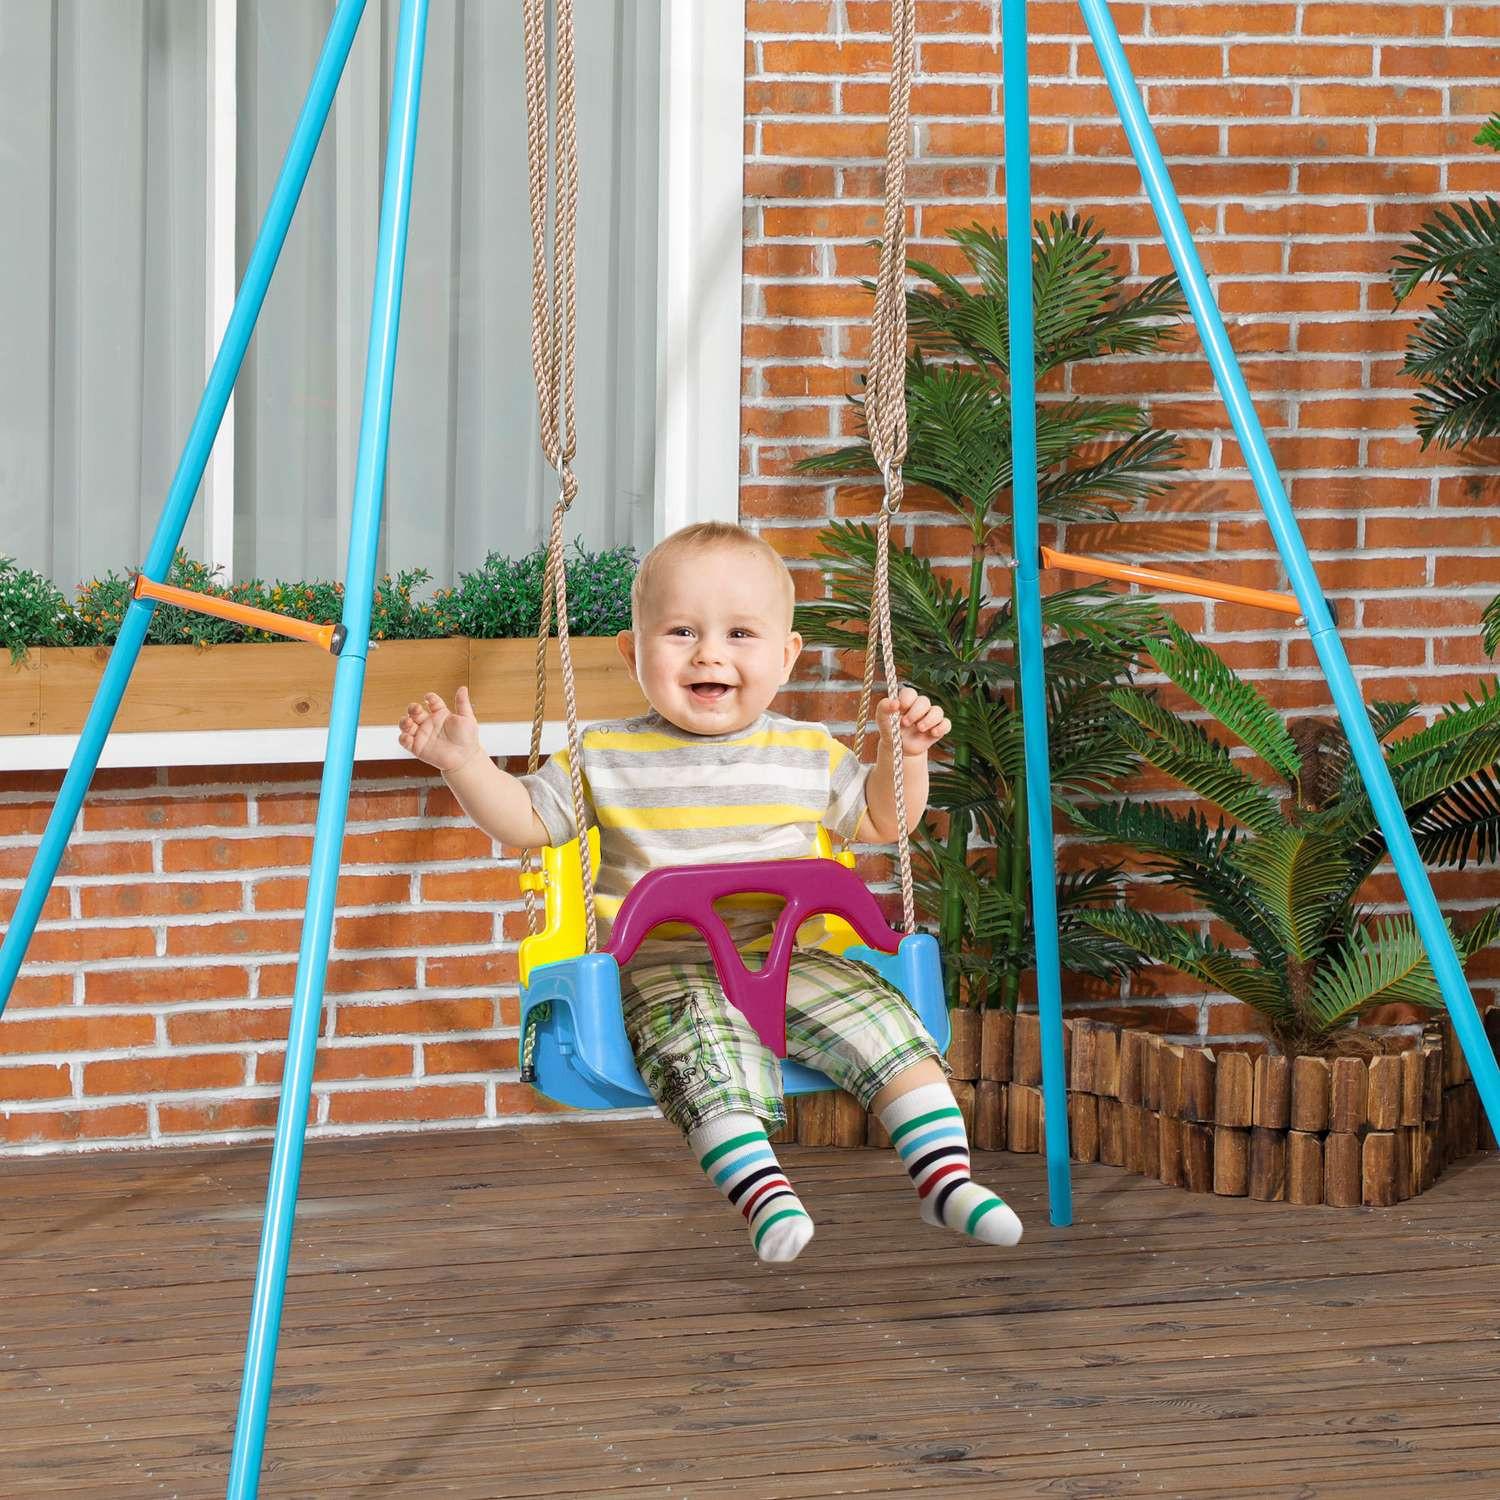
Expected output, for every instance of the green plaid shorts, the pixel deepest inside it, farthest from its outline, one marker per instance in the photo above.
(701, 1058)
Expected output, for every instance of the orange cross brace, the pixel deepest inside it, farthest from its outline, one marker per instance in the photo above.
(1181, 583)
(329, 637)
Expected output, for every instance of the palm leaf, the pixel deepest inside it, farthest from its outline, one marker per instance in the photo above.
(1457, 721)
(1387, 717)
(1184, 752)
(1478, 935)
(1297, 875)
(1379, 964)
(1117, 622)
(1190, 855)
(1128, 473)
(1456, 237)
(1461, 824)
(1184, 950)
(1232, 701)
(1490, 621)
(1454, 351)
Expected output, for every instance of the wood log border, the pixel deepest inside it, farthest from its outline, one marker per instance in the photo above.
(1237, 1121)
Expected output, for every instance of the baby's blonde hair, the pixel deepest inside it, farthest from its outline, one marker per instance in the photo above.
(700, 537)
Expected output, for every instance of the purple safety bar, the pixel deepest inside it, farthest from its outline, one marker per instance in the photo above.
(810, 887)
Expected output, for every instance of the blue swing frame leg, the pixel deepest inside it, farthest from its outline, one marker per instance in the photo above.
(333, 799)
(1263, 472)
(1029, 604)
(183, 489)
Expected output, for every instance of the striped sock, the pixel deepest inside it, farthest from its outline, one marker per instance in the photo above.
(927, 1129)
(737, 1158)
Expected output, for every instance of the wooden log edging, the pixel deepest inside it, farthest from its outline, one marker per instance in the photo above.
(1236, 1121)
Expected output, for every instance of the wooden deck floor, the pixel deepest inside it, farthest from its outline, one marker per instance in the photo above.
(570, 1311)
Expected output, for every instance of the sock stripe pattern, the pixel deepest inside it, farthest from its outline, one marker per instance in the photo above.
(926, 1127)
(744, 1168)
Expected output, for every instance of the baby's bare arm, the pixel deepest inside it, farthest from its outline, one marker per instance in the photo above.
(448, 740)
(497, 802)
(923, 724)
(878, 826)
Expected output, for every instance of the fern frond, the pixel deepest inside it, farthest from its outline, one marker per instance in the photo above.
(1213, 685)
(1183, 751)
(1297, 874)
(1184, 950)
(1379, 964)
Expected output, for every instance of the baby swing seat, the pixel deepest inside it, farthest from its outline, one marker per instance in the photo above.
(574, 1047)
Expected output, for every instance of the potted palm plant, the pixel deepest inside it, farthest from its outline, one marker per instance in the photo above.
(958, 642)
(1282, 867)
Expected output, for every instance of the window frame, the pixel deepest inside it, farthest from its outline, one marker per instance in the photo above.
(699, 275)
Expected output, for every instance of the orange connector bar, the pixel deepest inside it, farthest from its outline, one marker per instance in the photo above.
(1180, 583)
(329, 637)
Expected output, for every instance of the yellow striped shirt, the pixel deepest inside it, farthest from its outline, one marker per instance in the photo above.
(660, 796)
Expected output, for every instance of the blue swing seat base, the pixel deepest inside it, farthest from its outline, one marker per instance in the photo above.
(583, 1058)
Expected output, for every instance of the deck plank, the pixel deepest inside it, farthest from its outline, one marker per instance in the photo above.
(570, 1311)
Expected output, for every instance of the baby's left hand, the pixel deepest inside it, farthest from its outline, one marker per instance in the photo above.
(923, 723)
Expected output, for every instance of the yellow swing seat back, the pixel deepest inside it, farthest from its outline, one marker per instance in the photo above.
(560, 883)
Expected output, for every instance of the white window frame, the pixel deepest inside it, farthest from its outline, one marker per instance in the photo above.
(700, 266)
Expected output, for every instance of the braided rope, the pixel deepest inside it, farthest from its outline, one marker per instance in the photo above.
(885, 415)
(553, 361)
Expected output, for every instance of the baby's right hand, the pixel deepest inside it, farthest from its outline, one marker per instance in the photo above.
(443, 737)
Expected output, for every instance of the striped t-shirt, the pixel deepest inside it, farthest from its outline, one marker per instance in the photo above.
(660, 796)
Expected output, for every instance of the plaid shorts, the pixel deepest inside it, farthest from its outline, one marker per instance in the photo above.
(701, 1058)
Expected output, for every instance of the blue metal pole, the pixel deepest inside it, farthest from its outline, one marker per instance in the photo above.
(1263, 472)
(333, 797)
(1029, 603)
(183, 490)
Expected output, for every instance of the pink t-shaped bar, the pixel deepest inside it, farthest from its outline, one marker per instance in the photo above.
(810, 888)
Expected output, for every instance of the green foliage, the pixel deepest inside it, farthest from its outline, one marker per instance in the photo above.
(394, 616)
(957, 643)
(33, 611)
(1454, 352)
(1093, 456)
(502, 598)
(1490, 624)
(1282, 866)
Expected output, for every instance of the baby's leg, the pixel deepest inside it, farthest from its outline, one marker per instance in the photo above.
(736, 1156)
(926, 1127)
(847, 1020)
(707, 1069)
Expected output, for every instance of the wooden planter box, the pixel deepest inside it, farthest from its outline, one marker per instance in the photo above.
(1345, 1132)
(290, 686)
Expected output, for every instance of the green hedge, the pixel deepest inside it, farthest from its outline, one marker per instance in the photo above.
(501, 598)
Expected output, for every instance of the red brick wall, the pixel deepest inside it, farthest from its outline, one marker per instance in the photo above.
(1305, 140)
(155, 1001)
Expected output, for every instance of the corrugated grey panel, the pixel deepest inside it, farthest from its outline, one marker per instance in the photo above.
(103, 129)
(420, 488)
(27, 142)
(464, 474)
(285, 399)
(174, 294)
(104, 123)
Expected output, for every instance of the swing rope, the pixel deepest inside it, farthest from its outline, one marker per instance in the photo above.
(552, 355)
(553, 328)
(885, 414)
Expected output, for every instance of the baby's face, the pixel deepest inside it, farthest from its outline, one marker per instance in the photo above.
(713, 644)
